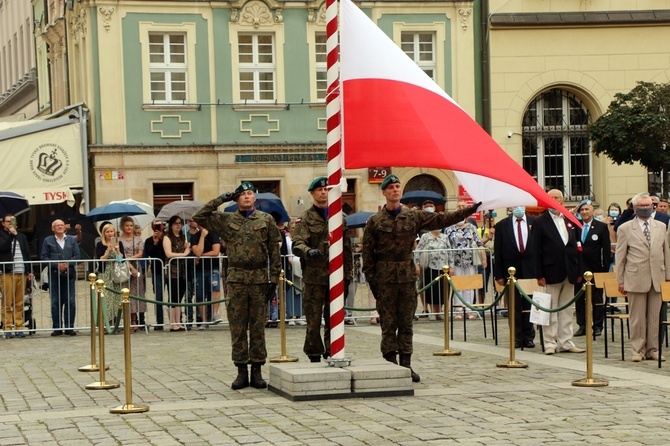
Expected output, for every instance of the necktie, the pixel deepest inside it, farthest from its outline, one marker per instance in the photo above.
(647, 234)
(520, 235)
(585, 231)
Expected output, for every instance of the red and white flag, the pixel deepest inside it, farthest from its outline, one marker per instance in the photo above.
(394, 114)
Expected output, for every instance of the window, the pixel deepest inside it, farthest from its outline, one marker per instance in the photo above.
(165, 193)
(420, 47)
(556, 148)
(167, 66)
(320, 53)
(256, 67)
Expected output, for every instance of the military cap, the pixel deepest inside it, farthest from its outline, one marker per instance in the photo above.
(584, 203)
(242, 187)
(318, 182)
(389, 180)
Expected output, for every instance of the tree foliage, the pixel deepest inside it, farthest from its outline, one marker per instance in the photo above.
(636, 127)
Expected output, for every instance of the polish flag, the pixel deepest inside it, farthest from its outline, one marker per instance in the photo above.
(394, 114)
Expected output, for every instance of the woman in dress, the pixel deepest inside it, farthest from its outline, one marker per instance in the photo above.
(463, 244)
(175, 245)
(134, 248)
(108, 249)
(430, 257)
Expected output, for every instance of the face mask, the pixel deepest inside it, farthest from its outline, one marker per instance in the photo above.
(553, 211)
(598, 217)
(614, 213)
(429, 209)
(644, 212)
(519, 211)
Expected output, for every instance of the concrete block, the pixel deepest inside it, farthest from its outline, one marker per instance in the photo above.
(382, 384)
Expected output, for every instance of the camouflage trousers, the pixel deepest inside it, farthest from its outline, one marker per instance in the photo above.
(316, 304)
(396, 304)
(247, 310)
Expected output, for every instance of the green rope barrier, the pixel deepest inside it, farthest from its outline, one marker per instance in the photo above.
(156, 302)
(477, 308)
(432, 282)
(549, 310)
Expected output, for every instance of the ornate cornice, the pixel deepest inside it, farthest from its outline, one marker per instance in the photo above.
(256, 13)
(106, 12)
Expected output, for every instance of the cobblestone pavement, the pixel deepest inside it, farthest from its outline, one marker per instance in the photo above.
(185, 379)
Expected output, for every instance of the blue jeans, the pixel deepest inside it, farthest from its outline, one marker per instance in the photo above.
(158, 280)
(63, 302)
(203, 289)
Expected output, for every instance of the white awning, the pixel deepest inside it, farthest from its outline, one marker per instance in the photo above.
(42, 159)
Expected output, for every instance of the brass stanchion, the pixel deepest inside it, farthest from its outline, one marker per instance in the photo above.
(447, 313)
(102, 384)
(589, 381)
(93, 366)
(282, 323)
(129, 407)
(511, 313)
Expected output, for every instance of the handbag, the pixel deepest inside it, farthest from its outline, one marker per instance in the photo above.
(120, 272)
(537, 316)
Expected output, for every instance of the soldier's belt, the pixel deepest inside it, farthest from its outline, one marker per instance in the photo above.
(247, 265)
(398, 258)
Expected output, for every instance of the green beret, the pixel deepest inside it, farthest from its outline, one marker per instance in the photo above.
(389, 180)
(244, 186)
(318, 182)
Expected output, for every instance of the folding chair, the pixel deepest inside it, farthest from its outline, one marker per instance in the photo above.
(663, 320)
(612, 291)
(530, 286)
(470, 282)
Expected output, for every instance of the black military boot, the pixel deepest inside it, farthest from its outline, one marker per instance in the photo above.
(391, 357)
(242, 379)
(406, 361)
(314, 358)
(257, 380)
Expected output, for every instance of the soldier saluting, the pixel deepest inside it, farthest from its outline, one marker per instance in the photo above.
(389, 267)
(252, 240)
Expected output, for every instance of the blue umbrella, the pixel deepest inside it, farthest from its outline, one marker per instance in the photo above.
(11, 203)
(114, 210)
(267, 202)
(358, 219)
(419, 196)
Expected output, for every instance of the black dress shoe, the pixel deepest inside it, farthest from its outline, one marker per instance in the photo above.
(528, 344)
(581, 332)
(56, 333)
(597, 332)
(517, 344)
(70, 332)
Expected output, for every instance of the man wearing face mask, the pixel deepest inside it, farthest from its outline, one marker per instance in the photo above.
(643, 263)
(557, 267)
(511, 248)
(629, 214)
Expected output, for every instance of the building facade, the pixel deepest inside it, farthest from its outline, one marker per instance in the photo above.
(189, 98)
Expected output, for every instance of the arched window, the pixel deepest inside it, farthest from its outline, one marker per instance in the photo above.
(556, 147)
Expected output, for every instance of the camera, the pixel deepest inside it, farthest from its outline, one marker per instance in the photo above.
(157, 227)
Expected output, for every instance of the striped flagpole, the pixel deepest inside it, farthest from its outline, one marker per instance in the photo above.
(335, 222)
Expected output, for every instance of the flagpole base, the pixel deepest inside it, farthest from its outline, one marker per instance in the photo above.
(91, 368)
(102, 385)
(512, 365)
(284, 359)
(448, 352)
(129, 408)
(590, 382)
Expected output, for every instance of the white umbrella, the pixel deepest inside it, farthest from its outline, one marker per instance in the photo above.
(143, 220)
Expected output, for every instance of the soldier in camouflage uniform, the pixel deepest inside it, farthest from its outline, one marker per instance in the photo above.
(310, 243)
(252, 239)
(389, 266)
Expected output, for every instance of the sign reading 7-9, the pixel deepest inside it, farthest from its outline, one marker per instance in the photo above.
(377, 174)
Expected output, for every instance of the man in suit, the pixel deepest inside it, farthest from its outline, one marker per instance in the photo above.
(596, 257)
(511, 247)
(62, 276)
(643, 263)
(556, 262)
